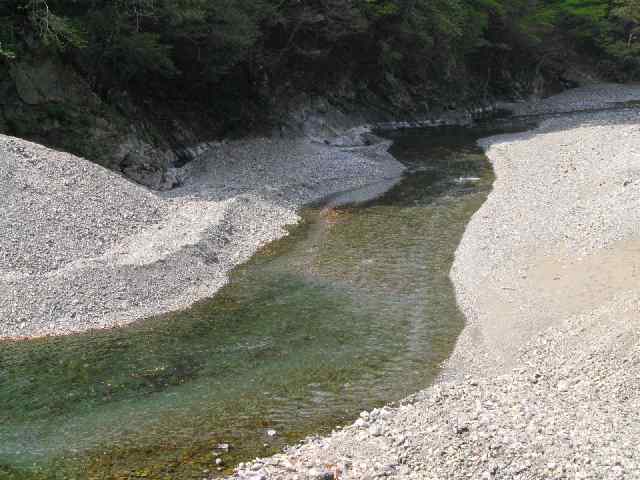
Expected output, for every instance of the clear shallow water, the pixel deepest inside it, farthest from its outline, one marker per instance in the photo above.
(353, 310)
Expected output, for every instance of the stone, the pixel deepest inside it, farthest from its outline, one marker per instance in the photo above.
(361, 423)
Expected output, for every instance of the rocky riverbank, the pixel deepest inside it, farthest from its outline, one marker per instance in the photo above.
(82, 247)
(544, 381)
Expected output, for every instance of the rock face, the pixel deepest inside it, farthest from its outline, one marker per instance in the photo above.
(318, 118)
(44, 100)
(145, 164)
(47, 81)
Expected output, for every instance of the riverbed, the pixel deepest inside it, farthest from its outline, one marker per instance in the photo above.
(543, 381)
(352, 310)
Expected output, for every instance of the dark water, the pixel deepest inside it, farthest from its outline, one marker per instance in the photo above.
(353, 310)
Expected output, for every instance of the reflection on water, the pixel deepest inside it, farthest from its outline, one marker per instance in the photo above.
(354, 309)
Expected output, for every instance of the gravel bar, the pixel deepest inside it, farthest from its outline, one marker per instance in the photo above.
(544, 382)
(83, 248)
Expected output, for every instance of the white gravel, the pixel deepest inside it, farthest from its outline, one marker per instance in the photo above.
(544, 382)
(595, 96)
(83, 248)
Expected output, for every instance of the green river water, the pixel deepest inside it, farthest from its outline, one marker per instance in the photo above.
(352, 310)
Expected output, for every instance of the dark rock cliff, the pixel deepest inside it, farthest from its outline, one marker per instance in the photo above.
(43, 98)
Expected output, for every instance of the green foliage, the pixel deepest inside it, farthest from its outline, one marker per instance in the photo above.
(117, 49)
(6, 52)
(7, 39)
(380, 8)
(243, 48)
(628, 11)
(609, 29)
(53, 30)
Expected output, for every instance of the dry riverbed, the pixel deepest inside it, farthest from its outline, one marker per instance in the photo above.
(545, 379)
(83, 248)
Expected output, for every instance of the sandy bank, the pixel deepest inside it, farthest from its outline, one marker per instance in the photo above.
(545, 379)
(83, 248)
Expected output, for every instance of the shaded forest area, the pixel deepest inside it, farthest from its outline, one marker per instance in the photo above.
(232, 65)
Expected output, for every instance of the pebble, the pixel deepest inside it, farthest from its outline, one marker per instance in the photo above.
(361, 423)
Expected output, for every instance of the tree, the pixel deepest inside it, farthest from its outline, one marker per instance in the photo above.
(629, 12)
(56, 31)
